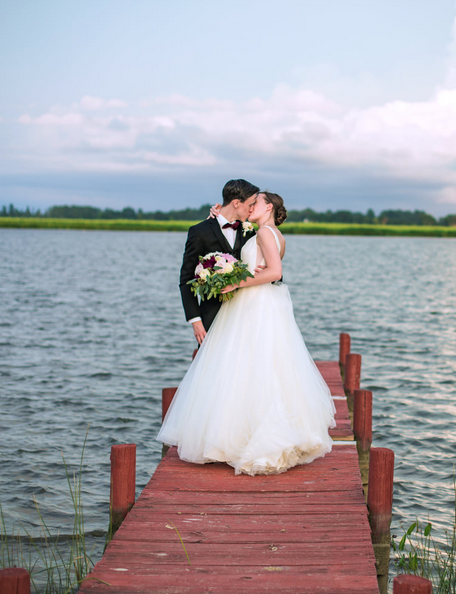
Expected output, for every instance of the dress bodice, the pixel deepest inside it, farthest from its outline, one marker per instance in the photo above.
(250, 249)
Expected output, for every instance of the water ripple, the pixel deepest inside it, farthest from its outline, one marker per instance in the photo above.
(91, 330)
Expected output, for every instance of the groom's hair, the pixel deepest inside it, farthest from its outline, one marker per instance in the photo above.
(238, 189)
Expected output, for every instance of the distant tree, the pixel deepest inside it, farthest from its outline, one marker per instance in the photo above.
(370, 217)
(387, 217)
(128, 213)
(406, 217)
(298, 216)
(448, 221)
(73, 212)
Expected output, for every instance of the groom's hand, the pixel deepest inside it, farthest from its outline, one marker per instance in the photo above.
(199, 331)
(259, 268)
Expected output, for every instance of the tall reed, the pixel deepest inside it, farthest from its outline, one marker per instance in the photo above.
(420, 554)
(56, 565)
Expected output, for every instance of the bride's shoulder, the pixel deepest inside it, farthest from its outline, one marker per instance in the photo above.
(267, 233)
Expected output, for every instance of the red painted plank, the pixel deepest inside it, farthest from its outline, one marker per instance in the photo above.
(304, 553)
(274, 581)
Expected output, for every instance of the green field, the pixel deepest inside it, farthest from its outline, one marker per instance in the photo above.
(290, 228)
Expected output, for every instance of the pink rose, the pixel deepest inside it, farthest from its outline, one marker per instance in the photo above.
(220, 263)
(230, 258)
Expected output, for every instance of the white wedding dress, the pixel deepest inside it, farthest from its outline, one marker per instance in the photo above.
(252, 397)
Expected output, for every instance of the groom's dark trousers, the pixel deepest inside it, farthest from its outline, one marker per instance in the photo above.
(202, 239)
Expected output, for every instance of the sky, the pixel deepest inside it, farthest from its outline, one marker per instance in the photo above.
(334, 104)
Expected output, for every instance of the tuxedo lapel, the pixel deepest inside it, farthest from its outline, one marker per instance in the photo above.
(221, 238)
(238, 240)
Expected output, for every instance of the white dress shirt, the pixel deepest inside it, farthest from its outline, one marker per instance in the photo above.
(230, 235)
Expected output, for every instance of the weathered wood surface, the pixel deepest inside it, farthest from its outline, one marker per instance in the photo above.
(304, 531)
(331, 372)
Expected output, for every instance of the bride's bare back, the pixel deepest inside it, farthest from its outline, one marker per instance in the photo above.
(260, 257)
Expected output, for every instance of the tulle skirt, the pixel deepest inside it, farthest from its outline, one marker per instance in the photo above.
(253, 397)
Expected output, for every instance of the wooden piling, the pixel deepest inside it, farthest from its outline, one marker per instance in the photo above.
(362, 428)
(195, 352)
(167, 397)
(344, 349)
(352, 378)
(123, 482)
(411, 584)
(14, 580)
(380, 505)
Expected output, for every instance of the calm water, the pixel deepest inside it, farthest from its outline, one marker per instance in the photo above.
(91, 329)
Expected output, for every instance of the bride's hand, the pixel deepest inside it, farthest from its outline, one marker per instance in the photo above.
(229, 288)
(215, 211)
(260, 268)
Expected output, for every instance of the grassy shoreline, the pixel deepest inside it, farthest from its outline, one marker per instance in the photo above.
(288, 228)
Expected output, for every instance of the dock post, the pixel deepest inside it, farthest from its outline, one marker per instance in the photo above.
(167, 397)
(362, 428)
(14, 580)
(344, 349)
(380, 505)
(411, 584)
(352, 378)
(123, 482)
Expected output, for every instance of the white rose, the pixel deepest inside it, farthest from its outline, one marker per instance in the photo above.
(228, 268)
(246, 228)
(204, 273)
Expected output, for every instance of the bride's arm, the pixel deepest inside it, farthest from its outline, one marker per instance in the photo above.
(273, 270)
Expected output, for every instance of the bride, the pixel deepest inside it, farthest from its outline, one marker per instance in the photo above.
(253, 397)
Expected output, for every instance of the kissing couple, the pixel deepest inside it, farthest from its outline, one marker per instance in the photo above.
(253, 396)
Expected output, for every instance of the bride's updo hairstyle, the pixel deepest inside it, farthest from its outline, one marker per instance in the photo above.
(280, 212)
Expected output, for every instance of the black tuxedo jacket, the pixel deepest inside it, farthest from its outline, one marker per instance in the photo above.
(202, 239)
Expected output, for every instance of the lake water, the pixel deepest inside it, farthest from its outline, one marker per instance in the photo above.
(92, 328)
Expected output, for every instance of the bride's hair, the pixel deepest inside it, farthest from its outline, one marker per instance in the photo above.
(280, 212)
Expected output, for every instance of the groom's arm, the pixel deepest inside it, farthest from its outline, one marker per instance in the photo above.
(193, 249)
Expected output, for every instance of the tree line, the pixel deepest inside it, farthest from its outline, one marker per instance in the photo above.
(308, 215)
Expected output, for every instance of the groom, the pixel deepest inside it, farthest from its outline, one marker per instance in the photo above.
(221, 234)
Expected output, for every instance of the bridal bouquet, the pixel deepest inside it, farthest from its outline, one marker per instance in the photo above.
(216, 271)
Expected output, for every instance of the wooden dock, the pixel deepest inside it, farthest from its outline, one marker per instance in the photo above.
(303, 531)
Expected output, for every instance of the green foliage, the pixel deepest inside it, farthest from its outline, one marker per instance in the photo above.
(93, 213)
(215, 282)
(307, 215)
(373, 230)
(55, 565)
(183, 226)
(418, 553)
(386, 217)
(98, 224)
(406, 217)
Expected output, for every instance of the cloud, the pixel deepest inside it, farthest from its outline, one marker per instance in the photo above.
(403, 138)
(446, 195)
(90, 103)
(293, 129)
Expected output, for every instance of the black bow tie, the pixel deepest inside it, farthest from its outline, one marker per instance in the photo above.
(234, 225)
